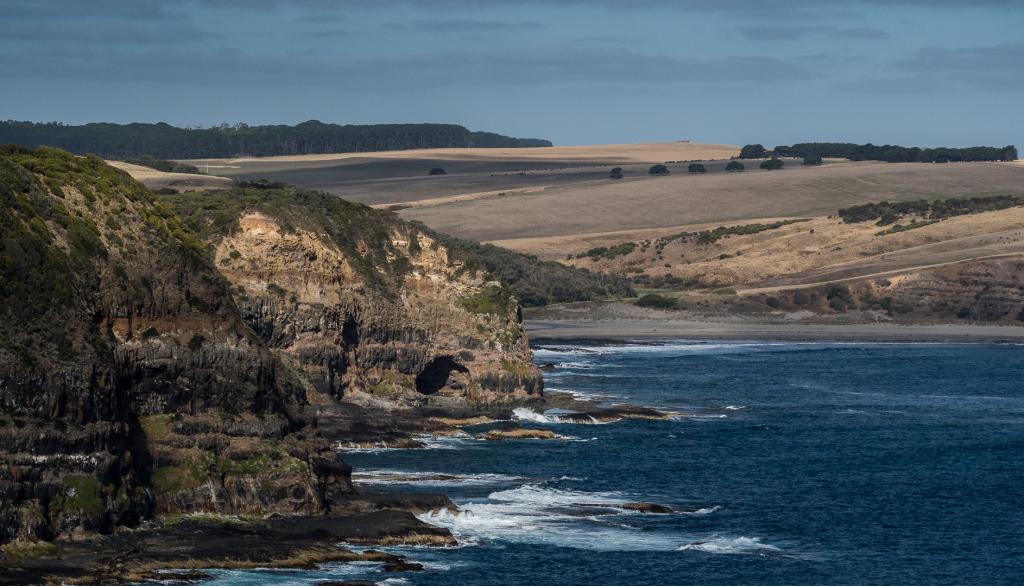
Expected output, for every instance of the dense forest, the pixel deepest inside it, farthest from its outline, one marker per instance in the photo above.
(163, 141)
(895, 153)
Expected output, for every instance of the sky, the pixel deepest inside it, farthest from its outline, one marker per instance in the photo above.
(911, 72)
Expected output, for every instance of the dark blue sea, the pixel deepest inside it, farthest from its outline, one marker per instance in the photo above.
(788, 464)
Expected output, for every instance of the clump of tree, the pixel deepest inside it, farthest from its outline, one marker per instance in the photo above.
(658, 169)
(696, 168)
(813, 160)
(164, 165)
(655, 301)
(772, 164)
(753, 151)
(887, 213)
(735, 167)
(896, 153)
(606, 252)
(163, 141)
(259, 184)
(438, 171)
(616, 173)
(712, 236)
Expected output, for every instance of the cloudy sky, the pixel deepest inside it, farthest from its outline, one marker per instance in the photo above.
(921, 72)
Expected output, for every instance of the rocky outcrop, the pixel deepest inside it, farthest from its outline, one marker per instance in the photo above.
(129, 384)
(161, 356)
(379, 314)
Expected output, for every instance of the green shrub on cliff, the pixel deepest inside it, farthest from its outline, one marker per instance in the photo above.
(492, 300)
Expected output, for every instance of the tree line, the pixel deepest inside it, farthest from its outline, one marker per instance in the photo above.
(887, 153)
(163, 141)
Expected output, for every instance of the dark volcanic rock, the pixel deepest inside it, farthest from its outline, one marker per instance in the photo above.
(283, 542)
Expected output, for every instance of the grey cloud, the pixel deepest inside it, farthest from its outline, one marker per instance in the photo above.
(796, 32)
(455, 26)
(866, 33)
(944, 69)
(107, 33)
(540, 67)
(998, 66)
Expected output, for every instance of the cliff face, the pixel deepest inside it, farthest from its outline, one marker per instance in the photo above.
(141, 374)
(368, 308)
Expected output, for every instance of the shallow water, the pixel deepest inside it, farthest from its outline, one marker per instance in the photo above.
(791, 464)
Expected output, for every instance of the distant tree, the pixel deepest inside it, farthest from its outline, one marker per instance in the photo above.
(438, 171)
(895, 153)
(616, 173)
(812, 160)
(696, 168)
(772, 164)
(753, 151)
(659, 170)
(734, 166)
(1010, 153)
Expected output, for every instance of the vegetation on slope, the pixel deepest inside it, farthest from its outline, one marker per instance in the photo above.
(536, 282)
(48, 245)
(716, 234)
(889, 212)
(117, 141)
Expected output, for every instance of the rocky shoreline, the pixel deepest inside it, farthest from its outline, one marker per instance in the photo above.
(178, 548)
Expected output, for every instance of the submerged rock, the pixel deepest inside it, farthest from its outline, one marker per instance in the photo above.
(647, 508)
(518, 433)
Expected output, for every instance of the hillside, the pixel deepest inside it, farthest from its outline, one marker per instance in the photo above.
(556, 220)
(154, 366)
(163, 141)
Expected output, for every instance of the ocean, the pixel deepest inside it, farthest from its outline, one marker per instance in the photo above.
(789, 463)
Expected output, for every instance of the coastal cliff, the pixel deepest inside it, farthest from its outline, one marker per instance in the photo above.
(166, 355)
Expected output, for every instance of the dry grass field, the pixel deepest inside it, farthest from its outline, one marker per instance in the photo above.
(821, 250)
(402, 176)
(154, 179)
(641, 202)
(615, 153)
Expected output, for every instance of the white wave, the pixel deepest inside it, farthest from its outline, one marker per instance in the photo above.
(425, 441)
(702, 512)
(731, 545)
(430, 478)
(555, 351)
(557, 416)
(524, 414)
(580, 395)
(685, 417)
(566, 518)
(288, 577)
(735, 407)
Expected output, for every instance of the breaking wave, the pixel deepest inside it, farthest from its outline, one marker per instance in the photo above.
(732, 545)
